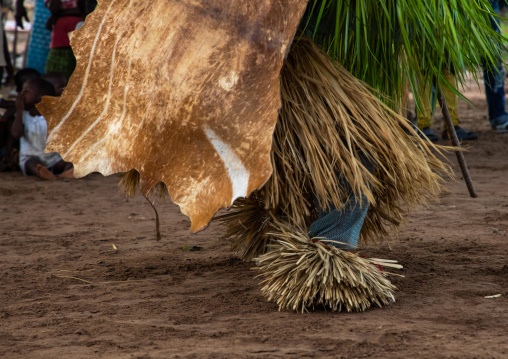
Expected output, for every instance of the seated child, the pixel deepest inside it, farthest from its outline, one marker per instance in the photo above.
(31, 128)
(9, 146)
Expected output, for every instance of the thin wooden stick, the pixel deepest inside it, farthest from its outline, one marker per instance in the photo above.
(157, 223)
(455, 142)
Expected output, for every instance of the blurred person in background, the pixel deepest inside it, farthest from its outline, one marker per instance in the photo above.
(65, 15)
(494, 84)
(9, 145)
(5, 58)
(40, 36)
(58, 80)
(31, 128)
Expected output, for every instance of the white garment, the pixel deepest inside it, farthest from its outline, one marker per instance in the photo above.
(33, 142)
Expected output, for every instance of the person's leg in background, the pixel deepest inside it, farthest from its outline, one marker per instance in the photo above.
(451, 100)
(494, 85)
(424, 117)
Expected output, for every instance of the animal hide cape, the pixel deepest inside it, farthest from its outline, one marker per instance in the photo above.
(184, 91)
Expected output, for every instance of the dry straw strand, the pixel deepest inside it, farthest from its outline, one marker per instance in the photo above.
(299, 274)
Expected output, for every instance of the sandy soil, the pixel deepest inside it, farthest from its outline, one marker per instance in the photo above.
(81, 276)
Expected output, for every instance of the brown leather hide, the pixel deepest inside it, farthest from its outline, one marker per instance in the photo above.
(186, 92)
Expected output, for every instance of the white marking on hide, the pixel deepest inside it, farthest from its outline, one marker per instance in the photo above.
(106, 106)
(85, 80)
(227, 82)
(238, 174)
(116, 124)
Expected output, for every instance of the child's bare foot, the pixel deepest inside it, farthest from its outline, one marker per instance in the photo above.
(44, 173)
(69, 174)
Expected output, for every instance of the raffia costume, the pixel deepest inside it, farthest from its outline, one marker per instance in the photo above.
(204, 125)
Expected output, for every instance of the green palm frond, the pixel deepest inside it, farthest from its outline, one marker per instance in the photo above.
(382, 42)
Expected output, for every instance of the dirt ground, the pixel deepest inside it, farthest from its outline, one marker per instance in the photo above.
(82, 276)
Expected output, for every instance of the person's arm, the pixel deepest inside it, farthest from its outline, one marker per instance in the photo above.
(18, 129)
(53, 6)
(82, 7)
(20, 13)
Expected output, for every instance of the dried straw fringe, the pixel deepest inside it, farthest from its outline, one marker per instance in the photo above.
(131, 180)
(299, 275)
(327, 121)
